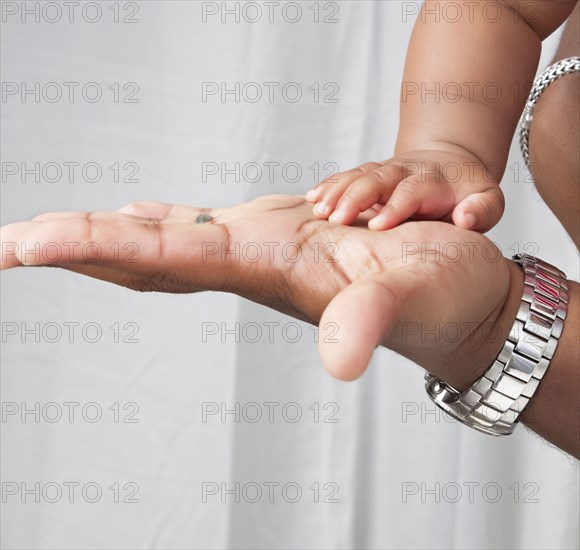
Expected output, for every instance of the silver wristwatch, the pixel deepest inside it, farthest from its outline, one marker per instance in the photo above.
(493, 403)
(553, 72)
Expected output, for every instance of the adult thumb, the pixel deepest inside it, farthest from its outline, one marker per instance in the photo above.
(355, 322)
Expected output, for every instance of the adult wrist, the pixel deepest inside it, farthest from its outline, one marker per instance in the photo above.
(497, 326)
(493, 403)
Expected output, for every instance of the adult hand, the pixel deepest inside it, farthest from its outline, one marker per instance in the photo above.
(449, 311)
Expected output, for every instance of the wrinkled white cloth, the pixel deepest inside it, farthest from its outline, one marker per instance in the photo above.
(402, 475)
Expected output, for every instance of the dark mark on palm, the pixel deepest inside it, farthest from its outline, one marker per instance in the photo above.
(203, 218)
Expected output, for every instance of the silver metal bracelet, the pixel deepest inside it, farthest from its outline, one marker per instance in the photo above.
(493, 404)
(552, 73)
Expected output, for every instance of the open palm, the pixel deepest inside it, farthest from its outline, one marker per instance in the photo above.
(364, 288)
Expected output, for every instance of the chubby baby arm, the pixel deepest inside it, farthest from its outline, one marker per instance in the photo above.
(467, 76)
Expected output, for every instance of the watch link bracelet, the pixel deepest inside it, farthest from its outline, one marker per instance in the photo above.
(494, 402)
(552, 73)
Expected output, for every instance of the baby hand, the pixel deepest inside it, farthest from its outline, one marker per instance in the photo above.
(428, 185)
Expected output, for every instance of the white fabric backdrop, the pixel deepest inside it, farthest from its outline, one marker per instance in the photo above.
(387, 439)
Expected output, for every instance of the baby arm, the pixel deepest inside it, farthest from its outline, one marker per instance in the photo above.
(467, 77)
